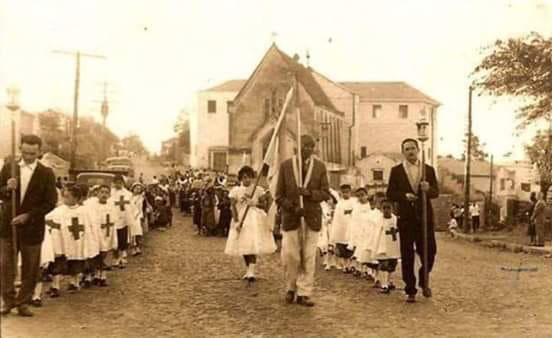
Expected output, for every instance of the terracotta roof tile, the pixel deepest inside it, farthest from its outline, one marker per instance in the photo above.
(388, 91)
(228, 86)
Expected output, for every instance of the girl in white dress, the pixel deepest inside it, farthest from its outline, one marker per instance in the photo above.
(254, 237)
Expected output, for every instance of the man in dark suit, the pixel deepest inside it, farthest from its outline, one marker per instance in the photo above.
(295, 243)
(35, 190)
(405, 187)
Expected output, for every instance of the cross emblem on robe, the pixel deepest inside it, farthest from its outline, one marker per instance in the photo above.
(107, 225)
(52, 225)
(76, 228)
(121, 203)
(348, 212)
(393, 232)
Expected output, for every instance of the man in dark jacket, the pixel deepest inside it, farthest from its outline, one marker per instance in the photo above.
(315, 189)
(405, 188)
(34, 186)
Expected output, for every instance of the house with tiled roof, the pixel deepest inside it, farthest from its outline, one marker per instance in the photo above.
(385, 114)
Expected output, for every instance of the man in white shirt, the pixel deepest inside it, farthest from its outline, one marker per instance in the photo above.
(475, 214)
(34, 186)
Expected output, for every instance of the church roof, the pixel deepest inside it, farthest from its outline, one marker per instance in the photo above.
(398, 91)
(304, 76)
(228, 86)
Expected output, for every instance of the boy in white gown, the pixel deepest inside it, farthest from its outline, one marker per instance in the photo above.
(73, 239)
(387, 250)
(101, 219)
(340, 227)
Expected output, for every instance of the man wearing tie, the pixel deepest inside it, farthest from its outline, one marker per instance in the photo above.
(299, 250)
(35, 190)
(405, 187)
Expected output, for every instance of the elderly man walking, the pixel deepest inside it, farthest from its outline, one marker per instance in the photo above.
(299, 247)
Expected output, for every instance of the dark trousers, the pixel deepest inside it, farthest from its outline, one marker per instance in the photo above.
(411, 243)
(30, 272)
(475, 223)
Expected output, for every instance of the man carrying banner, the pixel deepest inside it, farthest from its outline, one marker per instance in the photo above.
(299, 243)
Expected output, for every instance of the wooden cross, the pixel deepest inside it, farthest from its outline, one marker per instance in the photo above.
(76, 228)
(348, 212)
(393, 232)
(52, 225)
(121, 203)
(107, 225)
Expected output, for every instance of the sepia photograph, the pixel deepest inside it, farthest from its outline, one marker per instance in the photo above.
(275, 168)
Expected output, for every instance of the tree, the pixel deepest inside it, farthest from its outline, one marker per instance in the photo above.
(522, 68)
(477, 151)
(134, 144)
(540, 154)
(50, 129)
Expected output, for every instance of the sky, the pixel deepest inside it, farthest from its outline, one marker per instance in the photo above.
(160, 53)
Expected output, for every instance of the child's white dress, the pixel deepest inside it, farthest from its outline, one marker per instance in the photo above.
(255, 236)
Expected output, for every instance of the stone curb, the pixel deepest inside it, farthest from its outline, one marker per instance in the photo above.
(502, 245)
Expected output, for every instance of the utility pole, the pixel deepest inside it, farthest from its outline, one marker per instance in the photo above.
(468, 165)
(78, 56)
(490, 203)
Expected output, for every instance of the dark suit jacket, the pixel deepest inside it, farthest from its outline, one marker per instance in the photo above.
(410, 213)
(287, 196)
(40, 199)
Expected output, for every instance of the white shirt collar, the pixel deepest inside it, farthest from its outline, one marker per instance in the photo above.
(31, 166)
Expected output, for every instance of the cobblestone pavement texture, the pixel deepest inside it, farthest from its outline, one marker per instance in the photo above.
(184, 286)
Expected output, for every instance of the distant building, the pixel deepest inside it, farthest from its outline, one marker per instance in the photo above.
(516, 180)
(452, 171)
(209, 126)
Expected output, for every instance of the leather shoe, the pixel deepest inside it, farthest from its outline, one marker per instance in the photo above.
(36, 302)
(411, 298)
(290, 297)
(6, 309)
(305, 301)
(427, 292)
(24, 311)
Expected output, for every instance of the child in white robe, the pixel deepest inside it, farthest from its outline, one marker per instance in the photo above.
(137, 229)
(387, 249)
(360, 226)
(370, 239)
(102, 220)
(324, 235)
(340, 228)
(73, 239)
(124, 218)
(254, 237)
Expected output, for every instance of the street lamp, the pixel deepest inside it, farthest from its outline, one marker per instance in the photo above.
(13, 106)
(421, 126)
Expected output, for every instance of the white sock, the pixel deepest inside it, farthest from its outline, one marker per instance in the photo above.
(56, 282)
(37, 294)
(75, 280)
(251, 270)
(103, 275)
(384, 278)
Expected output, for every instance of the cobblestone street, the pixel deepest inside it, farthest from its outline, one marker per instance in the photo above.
(184, 286)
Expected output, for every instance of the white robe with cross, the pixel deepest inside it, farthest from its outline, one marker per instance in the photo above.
(72, 233)
(101, 219)
(124, 216)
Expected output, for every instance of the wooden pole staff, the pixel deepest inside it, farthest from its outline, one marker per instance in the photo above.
(263, 170)
(424, 221)
(302, 230)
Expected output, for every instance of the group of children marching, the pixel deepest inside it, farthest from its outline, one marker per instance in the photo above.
(86, 228)
(359, 236)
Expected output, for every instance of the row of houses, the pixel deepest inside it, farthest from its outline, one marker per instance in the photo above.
(359, 126)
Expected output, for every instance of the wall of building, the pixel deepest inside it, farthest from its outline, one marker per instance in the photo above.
(373, 162)
(385, 133)
(209, 129)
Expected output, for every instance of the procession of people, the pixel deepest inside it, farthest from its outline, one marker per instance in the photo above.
(90, 232)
